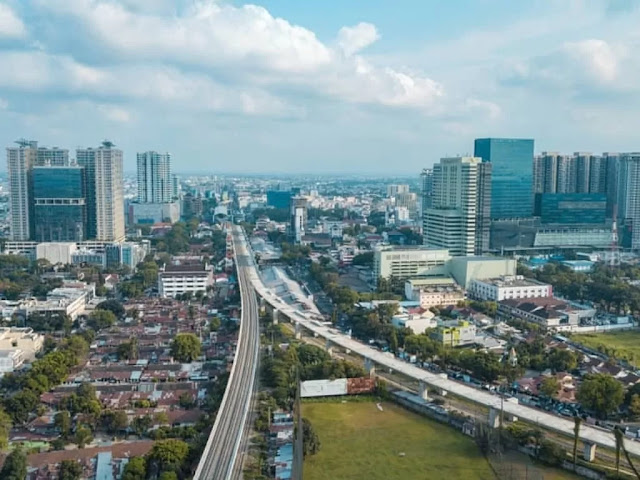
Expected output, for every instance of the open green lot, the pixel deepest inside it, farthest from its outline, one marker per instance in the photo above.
(623, 345)
(358, 441)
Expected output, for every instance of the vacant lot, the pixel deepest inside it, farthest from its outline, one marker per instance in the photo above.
(361, 442)
(623, 345)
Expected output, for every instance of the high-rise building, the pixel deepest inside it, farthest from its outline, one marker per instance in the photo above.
(20, 160)
(58, 205)
(298, 218)
(105, 199)
(577, 173)
(628, 197)
(155, 183)
(511, 175)
(455, 221)
(55, 157)
(395, 189)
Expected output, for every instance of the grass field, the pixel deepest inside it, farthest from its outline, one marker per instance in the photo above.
(358, 441)
(623, 345)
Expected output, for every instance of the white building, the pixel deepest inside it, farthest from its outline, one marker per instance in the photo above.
(179, 279)
(498, 289)
(416, 322)
(457, 219)
(105, 197)
(155, 184)
(407, 262)
(440, 296)
(150, 213)
(18, 345)
(56, 253)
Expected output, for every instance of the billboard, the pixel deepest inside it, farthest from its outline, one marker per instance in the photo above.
(340, 386)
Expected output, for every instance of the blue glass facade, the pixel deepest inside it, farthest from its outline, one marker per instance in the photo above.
(59, 209)
(572, 208)
(279, 198)
(511, 177)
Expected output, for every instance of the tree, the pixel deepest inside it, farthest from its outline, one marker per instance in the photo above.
(140, 425)
(549, 387)
(161, 418)
(69, 470)
(215, 324)
(563, 360)
(167, 455)
(100, 319)
(115, 421)
(15, 466)
(601, 393)
(114, 306)
(5, 428)
(136, 469)
(185, 347)
(62, 421)
(393, 341)
(168, 476)
(310, 440)
(128, 350)
(634, 405)
(83, 436)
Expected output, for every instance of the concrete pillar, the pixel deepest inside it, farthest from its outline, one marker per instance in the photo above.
(589, 453)
(370, 367)
(298, 330)
(424, 390)
(494, 418)
(329, 347)
(276, 316)
(347, 351)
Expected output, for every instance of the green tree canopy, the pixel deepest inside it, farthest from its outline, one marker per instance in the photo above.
(100, 319)
(601, 393)
(70, 470)
(15, 466)
(114, 306)
(186, 347)
(168, 455)
(136, 469)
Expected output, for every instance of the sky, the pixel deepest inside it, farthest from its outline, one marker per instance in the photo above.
(331, 86)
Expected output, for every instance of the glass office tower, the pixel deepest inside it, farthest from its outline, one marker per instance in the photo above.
(59, 209)
(511, 176)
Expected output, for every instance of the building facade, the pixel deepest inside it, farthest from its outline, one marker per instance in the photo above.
(456, 219)
(628, 198)
(105, 198)
(298, 218)
(180, 279)
(20, 159)
(571, 208)
(407, 262)
(59, 207)
(511, 175)
(155, 183)
(498, 289)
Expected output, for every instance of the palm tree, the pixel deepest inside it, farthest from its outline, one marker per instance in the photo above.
(576, 434)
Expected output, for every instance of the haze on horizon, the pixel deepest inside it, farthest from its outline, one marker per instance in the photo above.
(285, 86)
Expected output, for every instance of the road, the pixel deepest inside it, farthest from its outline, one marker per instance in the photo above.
(540, 418)
(222, 456)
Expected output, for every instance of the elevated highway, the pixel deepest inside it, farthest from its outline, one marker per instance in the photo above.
(222, 456)
(313, 323)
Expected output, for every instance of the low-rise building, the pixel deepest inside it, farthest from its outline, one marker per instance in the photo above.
(180, 279)
(503, 288)
(459, 334)
(407, 262)
(440, 296)
(18, 345)
(417, 322)
(548, 312)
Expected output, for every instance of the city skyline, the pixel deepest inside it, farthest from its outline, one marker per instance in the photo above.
(349, 88)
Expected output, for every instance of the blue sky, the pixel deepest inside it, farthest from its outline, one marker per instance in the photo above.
(321, 87)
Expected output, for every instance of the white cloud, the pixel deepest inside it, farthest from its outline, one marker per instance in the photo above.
(10, 23)
(354, 39)
(253, 48)
(115, 114)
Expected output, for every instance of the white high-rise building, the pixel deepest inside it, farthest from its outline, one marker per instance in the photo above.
(105, 197)
(628, 188)
(455, 221)
(20, 159)
(155, 183)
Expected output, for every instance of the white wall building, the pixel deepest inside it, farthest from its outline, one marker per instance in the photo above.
(155, 184)
(504, 288)
(56, 253)
(417, 323)
(407, 262)
(105, 197)
(24, 339)
(179, 279)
